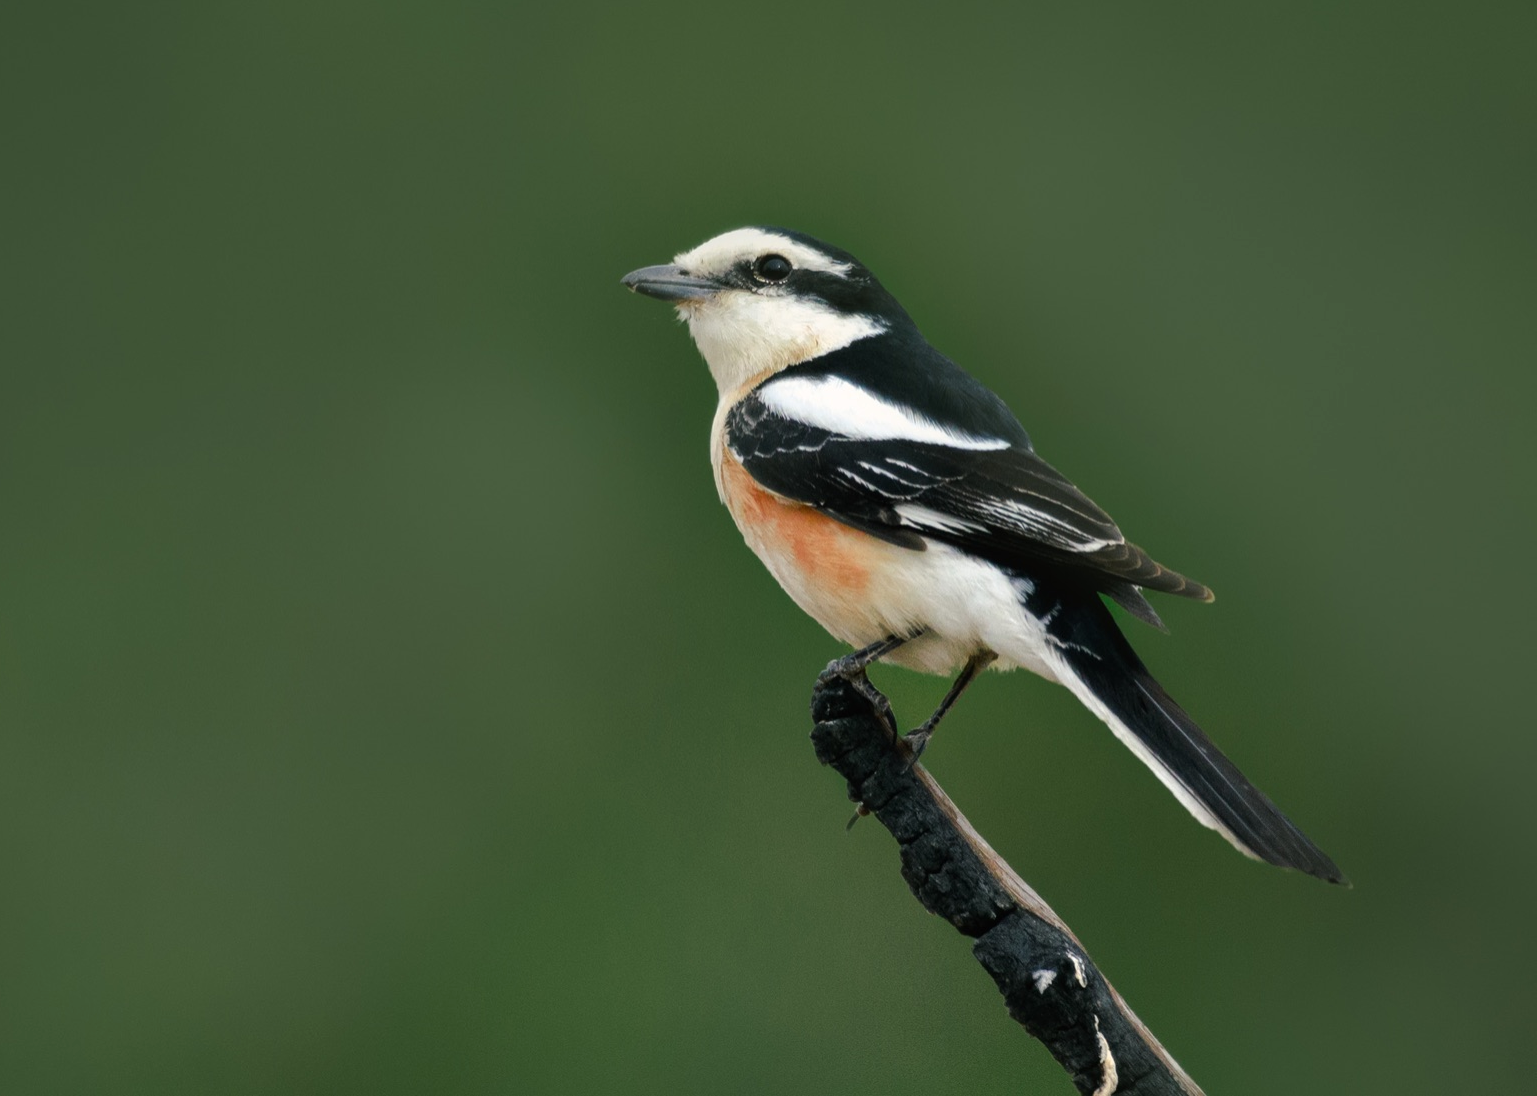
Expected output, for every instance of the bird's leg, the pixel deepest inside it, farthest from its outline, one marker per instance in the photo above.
(918, 740)
(852, 667)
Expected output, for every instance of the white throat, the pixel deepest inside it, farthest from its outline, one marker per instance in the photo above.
(746, 336)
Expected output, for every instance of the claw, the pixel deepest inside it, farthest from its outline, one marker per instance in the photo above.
(877, 699)
(852, 668)
(917, 741)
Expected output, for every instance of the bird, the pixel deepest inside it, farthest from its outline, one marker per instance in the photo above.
(901, 504)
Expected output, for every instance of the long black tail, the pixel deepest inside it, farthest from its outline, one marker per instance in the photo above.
(1095, 661)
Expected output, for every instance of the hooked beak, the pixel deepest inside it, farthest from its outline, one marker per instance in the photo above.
(668, 283)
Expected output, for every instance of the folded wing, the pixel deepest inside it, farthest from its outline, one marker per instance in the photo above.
(913, 480)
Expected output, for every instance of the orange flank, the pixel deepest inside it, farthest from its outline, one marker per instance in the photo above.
(833, 556)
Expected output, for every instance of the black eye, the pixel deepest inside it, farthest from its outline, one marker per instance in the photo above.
(772, 268)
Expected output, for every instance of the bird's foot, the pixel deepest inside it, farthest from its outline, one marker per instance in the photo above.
(865, 688)
(852, 668)
(917, 741)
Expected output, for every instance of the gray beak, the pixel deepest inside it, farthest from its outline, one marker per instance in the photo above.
(668, 283)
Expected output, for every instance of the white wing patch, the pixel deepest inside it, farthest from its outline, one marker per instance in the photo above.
(833, 404)
(924, 518)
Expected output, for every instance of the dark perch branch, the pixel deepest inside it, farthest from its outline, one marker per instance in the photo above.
(1049, 983)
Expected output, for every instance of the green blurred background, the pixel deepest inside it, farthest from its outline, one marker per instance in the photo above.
(389, 706)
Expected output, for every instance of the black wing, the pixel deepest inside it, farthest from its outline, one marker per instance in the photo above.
(1004, 504)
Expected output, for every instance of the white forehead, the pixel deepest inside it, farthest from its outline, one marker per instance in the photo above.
(729, 248)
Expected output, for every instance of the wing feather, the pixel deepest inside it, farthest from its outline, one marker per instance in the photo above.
(1004, 503)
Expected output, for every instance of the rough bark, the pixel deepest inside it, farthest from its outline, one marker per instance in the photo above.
(1048, 981)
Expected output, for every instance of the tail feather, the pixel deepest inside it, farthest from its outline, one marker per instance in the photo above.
(1096, 662)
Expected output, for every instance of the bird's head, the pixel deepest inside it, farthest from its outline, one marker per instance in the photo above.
(757, 300)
